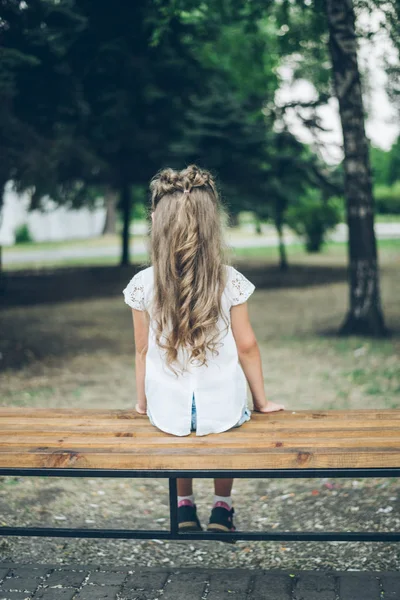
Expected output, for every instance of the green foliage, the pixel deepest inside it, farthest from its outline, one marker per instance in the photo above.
(386, 164)
(117, 92)
(387, 199)
(312, 217)
(23, 235)
(380, 163)
(394, 167)
(139, 211)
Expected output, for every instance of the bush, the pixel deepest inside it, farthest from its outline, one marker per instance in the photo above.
(311, 218)
(387, 199)
(23, 235)
(138, 212)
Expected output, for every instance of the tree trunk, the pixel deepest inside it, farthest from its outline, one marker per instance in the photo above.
(283, 262)
(110, 223)
(234, 219)
(126, 207)
(365, 314)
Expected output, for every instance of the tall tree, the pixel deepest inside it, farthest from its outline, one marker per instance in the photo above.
(365, 313)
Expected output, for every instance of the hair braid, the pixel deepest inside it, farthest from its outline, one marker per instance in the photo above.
(188, 256)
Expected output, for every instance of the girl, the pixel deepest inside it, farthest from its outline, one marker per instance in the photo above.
(195, 346)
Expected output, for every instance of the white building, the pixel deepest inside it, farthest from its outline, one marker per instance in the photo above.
(54, 224)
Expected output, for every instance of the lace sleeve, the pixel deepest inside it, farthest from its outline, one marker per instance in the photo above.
(240, 287)
(134, 293)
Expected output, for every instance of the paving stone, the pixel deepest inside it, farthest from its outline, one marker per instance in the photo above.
(95, 592)
(29, 571)
(55, 594)
(391, 586)
(21, 584)
(66, 578)
(179, 584)
(143, 595)
(24, 579)
(272, 586)
(105, 568)
(359, 585)
(15, 595)
(106, 578)
(145, 580)
(314, 586)
(3, 573)
(225, 585)
(193, 584)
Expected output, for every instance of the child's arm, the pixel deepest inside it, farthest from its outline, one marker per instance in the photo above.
(250, 358)
(141, 333)
(140, 364)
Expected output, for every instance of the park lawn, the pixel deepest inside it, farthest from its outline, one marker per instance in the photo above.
(81, 353)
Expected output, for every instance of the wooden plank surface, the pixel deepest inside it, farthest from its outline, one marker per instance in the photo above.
(122, 439)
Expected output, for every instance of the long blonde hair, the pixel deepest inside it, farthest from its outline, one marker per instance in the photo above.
(188, 254)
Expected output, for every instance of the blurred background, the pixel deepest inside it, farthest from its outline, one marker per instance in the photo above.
(96, 97)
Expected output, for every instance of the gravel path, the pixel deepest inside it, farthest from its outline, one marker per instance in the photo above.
(319, 504)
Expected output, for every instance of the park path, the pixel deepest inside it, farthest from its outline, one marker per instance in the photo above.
(246, 239)
(91, 582)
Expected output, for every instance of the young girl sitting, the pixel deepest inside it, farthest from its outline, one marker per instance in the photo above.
(195, 346)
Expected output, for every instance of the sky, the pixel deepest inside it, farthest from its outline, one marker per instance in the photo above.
(382, 126)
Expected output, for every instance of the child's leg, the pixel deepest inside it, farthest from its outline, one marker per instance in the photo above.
(221, 518)
(187, 514)
(223, 489)
(185, 486)
(185, 492)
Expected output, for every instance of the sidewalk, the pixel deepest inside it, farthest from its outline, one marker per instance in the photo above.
(244, 239)
(92, 582)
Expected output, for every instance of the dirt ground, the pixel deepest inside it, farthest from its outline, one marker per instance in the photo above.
(79, 352)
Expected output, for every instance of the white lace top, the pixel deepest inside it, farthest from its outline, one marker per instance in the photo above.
(220, 389)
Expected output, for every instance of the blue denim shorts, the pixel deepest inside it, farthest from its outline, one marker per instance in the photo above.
(246, 414)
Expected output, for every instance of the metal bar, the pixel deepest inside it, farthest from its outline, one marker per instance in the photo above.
(174, 534)
(173, 506)
(201, 474)
(288, 536)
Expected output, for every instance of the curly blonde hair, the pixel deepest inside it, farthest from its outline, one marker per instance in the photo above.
(188, 254)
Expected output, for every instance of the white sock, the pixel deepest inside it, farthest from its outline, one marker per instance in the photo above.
(226, 499)
(191, 498)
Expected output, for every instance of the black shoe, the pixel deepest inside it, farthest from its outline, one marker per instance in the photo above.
(187, 519)
(221, 521)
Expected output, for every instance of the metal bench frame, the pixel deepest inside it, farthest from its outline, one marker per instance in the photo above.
(173, 533)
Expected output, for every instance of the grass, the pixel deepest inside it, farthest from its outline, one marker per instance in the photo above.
(78, 353)
(387, 218)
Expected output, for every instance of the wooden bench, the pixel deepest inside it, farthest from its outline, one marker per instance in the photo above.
(121, 443)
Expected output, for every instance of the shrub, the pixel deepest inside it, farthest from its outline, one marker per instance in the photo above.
(387, 199)
(312, 217)
(138, 212)
(23, 235)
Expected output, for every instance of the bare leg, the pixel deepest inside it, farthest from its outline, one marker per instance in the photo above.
(223, 487)
(185, 486)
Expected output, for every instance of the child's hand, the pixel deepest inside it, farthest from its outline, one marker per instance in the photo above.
(270, 407)
(140, 410)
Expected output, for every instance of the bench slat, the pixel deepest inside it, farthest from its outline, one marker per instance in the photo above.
(363, 458)
(121, 439)
(116, 414)
(129, 444)
(268, 423)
